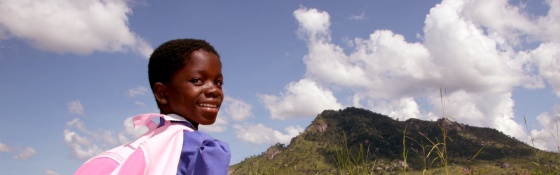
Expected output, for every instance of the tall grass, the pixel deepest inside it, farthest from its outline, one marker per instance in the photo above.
(420, 154)
(350, 162)
(443, 153)
(405, 151)
(436, 146)
(548, 159)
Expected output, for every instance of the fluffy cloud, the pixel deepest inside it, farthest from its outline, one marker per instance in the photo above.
(503, 22)
(80, 27)
(361, 16)
(474, 50)
(260, 134)
(84, 143)
(549, 25)
(481, 109)
(139, 103)
(25, 153)
(129, 132)
(313, 23)
(219, 126)
(137, 91)
(22, 153)
(467, 58)
(237, 109)
(81, 147)
(548, 136)
(401, 109)
(51, 172)
(546, 57)
(4, 148)
(304, 98)
(75, 107)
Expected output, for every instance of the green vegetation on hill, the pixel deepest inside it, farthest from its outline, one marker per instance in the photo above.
(358, 141)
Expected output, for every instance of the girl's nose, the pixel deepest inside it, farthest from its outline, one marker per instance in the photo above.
(213, 90)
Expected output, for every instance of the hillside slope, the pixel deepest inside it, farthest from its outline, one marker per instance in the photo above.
(358, 141)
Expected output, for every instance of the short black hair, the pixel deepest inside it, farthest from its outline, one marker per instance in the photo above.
(172, 56)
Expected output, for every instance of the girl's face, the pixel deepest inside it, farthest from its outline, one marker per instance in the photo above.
(195, 91)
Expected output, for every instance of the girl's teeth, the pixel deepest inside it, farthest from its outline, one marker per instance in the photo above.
(208, 105)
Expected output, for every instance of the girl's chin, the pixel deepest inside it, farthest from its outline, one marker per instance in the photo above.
(208, 122)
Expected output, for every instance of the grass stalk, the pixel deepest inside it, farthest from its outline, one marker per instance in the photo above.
(405, 152)
(444, 131)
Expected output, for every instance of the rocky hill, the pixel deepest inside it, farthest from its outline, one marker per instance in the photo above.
(358, 141)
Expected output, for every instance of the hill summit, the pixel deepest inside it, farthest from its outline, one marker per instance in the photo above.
(359, 141)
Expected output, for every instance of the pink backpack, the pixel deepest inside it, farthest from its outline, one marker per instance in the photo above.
(173, 147)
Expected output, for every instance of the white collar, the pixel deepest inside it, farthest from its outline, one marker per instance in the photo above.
(174, 117)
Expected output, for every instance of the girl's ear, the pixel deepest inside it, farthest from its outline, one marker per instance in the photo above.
(160, 93)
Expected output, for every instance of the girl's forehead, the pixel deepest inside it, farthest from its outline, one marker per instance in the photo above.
(202, 61)
(201, 56)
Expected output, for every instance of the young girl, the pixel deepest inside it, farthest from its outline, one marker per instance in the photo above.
(186, 78)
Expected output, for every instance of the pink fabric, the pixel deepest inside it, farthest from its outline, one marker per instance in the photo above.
(164, 149)
(155, 152)
(146, 120)
(101, 165)
(135, 164)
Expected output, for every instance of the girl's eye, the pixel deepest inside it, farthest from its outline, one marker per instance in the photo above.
(219, 83)
(196, 81)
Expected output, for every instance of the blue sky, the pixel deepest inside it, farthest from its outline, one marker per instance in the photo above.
(73, 73)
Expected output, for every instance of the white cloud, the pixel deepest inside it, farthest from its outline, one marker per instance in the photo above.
(260, 134)
(547, 137)
(5, 148)
(547, 59)
(51, 172)
(236, 109)
(325, 61)
(467, 58)
(139, 103)
(361, 16)
(476, 50)
(304, 98)
(401, 109)
(138, 91)
(25, 153)
(291, 132)
(550, 24)
(219, 126)
(84, 143)
(392, 67)
(75, 107)
(81, 147)
(22, 153)
(68, 26)
(314, 24)
(503, 22)
(129, 133)
(489, 109)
